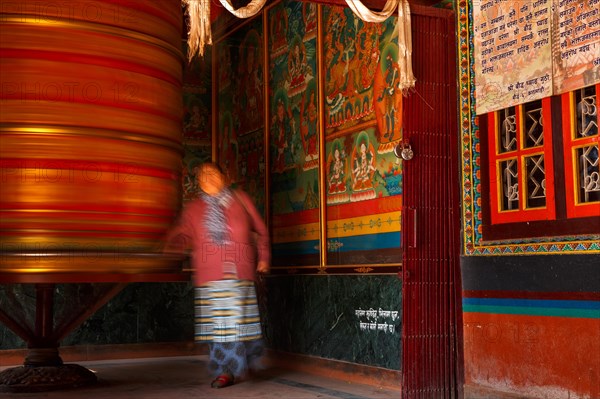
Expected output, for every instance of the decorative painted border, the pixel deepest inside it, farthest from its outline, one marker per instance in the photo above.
(473, 243)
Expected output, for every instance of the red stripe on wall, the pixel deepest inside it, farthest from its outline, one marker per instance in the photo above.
(364, 208)
(337, 212)
(296, 218)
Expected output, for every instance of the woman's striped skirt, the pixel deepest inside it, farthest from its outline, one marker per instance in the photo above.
(227, 311)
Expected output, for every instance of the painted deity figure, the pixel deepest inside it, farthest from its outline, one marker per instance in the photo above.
(194, 122)
(225, 73)
(278, 29)
(337, 173)
(369, 55)
(388, 96)
(282, 133)
(363, 168)
(254, 82)
(297, 69)
(309, 11)
(309, 129)
(251, 84)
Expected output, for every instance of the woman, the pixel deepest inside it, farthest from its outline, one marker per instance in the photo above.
(227, 236)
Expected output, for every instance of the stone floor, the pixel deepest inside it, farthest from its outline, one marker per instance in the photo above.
(186, 377)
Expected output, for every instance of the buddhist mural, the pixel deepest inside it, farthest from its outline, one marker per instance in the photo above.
(196, 99)
(361, 76)
(354, 97)
(293, 131)
(363, 124)
(239, 84)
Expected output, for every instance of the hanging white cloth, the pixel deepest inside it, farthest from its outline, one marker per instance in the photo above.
(361, 11)
(199, 33)
(406, 79)
(247, 11)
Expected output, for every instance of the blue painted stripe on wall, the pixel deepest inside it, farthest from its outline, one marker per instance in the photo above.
(355, 243)
(543, 303)
(369, 242)
(533, 311)
(533, 307)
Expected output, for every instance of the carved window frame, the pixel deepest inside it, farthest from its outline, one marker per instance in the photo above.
(581, 136)
(565, 212)
(520, 151)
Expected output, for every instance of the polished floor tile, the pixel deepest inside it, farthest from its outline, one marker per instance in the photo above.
(186, 377)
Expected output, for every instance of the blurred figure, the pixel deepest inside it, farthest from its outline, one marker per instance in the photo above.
(230, 245)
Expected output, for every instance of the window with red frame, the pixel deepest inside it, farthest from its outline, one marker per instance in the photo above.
(521, 163)
(580, 148)
(544, 172)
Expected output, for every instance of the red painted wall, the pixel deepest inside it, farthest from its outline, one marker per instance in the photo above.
(537, 356)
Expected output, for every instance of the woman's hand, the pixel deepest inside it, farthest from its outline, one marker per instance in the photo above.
(263, 267)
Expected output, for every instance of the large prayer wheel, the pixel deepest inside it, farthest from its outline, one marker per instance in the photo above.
(90, 130)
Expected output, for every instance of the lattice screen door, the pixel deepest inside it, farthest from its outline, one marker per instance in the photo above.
(432, 365)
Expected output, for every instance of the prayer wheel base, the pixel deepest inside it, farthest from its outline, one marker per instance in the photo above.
(24, 379)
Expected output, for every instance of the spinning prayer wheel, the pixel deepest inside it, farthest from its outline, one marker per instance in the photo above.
(90, 130)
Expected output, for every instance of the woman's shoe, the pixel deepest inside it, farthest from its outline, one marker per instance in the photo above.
(222, 381)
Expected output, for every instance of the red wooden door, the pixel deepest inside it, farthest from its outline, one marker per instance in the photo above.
(432, 365)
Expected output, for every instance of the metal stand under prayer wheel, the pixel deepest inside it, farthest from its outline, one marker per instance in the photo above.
(90, 162)
(43, 368)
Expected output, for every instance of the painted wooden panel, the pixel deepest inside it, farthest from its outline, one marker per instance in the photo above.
(363, 122)
(294, 133)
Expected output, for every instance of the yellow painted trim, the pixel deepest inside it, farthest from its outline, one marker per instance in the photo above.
(372, 224)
